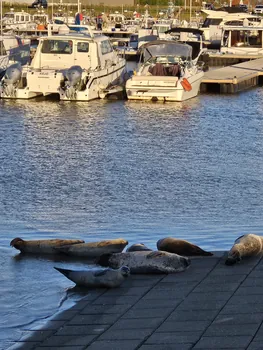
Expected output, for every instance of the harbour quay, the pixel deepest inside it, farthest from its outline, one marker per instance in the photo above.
(233, 78)
(208, 306)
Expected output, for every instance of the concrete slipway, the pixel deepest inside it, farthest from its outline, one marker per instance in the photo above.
(209, 306)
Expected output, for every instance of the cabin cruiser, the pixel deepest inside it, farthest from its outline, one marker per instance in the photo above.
(242, 41)
(76, 66)
(216, 20)
(13, 49)
(167, 73)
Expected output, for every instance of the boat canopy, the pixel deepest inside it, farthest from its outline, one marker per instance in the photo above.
(166, 48)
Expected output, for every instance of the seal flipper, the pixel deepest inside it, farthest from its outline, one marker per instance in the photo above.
(64, 272)
(103, 260)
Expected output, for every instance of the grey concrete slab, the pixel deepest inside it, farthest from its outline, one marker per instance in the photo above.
(38, 335)
(94, 319)
(203, 305)
(219, 287)
(139, 283)
(127, 291)
(82, 330)
(126, 323)
(64, 315)
(183, 277)
(223, 279)
(201, 297)
(139, 334)
(220, 330)
(146, 313)
(111, 300)
(114, 345)
(255, 318)
(23, 346)
(157, 303)
(231, 342)
(249, 290)
(253, 282)
(167, 347)
(255, 345)
(167, 294)
(174, 338)
(193, 315)
(183, 326)
(245, 299)
(50, 325)
(244, 309)
(81, 304)
(175, 286)
(74, 347)
(67, 340)
(106, 309)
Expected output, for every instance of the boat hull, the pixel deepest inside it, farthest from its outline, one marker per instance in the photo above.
(162, 88)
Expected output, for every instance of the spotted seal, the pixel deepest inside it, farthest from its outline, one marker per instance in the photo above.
(138, 247)
(43, 246)
(95, 278)
(146, 261)
(181, 247)
(245, 246)
(94, 249)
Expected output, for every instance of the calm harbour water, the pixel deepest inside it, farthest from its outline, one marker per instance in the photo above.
(140, 171)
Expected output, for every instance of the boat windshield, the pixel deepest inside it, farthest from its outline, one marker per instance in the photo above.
(173, 51)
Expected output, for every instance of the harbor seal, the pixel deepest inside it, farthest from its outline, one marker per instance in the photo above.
(146, 261)
(94, 249)
(43, 246)
(96, 278)
(138, 247)
(181, 247)
(245, 246)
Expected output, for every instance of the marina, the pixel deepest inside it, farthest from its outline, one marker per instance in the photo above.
(82, 161)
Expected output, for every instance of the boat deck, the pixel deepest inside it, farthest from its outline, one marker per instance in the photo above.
(208, 306)
(234, 78)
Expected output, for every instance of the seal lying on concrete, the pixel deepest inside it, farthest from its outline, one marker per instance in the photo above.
(245, 246)
(146, 262)
(181, 247)
(43, 246)
(94, 249)
(108, 278)
(138, 247)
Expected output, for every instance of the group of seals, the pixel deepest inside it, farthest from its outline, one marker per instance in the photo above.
(96, 278)
(171, 256)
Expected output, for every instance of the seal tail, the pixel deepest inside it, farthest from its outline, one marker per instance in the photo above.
(200, 251)
(104, 260)
(64, 272)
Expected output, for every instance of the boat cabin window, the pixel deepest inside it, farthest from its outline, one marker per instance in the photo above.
(9, 15)
(106, 47)
(244, 38)
(83, 47)
(211, 22)
(17, 18)
(57, 46)
(233, 23)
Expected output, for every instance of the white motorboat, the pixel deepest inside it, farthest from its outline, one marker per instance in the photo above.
(76, 66)
(13, 49)
(167, 73)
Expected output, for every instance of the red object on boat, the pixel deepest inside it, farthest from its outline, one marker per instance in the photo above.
(186, 85)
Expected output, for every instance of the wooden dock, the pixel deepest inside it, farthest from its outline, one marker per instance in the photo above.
(234, 78)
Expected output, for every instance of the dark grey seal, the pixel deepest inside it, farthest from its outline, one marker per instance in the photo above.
(95, 278)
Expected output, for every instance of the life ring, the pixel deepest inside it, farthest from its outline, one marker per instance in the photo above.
(41, 27)
(186, 85)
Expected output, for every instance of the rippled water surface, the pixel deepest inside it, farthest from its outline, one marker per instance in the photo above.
(140, 171)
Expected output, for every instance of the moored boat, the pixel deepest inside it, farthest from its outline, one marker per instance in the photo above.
(167, 73)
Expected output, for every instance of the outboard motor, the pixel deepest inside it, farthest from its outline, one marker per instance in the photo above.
(11, 79)
(73, 81)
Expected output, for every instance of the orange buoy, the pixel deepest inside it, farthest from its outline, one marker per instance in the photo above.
(186, 85)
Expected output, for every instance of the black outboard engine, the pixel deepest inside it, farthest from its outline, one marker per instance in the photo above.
(11, 79)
